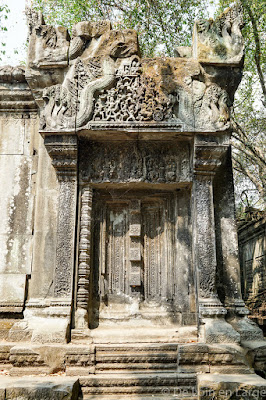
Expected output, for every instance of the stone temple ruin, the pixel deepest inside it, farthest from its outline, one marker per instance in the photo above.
(119, 270)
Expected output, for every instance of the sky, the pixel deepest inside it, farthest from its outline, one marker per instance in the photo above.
(16, 35)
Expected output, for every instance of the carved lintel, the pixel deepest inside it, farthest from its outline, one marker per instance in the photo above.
(84, 258)
(135, 162)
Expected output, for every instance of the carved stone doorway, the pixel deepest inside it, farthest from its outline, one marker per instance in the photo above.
(135, 256)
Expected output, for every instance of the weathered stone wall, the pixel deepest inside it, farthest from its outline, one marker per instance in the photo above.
(28, 197)
(252, 245)
(19, 142)
(45, 226)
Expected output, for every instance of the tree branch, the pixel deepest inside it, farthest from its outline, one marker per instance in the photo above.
(257, 55)
(245, 171)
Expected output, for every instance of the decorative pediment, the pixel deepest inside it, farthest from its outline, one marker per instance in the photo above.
(97, 80)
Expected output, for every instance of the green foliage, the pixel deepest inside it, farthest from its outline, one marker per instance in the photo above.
(4, 10)
(161, 24)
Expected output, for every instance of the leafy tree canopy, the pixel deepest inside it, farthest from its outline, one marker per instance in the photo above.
(161, 24)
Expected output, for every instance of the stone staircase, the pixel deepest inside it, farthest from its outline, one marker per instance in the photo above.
(142, 358)
(159, 384)
(123, 371)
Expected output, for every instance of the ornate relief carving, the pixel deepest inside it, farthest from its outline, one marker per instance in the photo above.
(48, 46)
(134, 98)
(106, 84)
(220, 41)
(71, 105)
(214, 108)
(34, 19)
(135, 162)
(63, 151)
(65, 238)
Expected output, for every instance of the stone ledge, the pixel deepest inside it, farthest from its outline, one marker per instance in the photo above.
(15, 94)
(225, 387)
(51, 388)
(12, 74)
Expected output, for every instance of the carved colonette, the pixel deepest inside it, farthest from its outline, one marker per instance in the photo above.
(84, 260)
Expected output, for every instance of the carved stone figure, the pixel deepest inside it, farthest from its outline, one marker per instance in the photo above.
(220, 41)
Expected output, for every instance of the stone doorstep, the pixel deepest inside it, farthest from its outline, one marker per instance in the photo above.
(209, 387)
(138, 334)
(141, 387)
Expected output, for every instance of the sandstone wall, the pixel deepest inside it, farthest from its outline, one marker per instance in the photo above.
(252, 244)
(22, 155)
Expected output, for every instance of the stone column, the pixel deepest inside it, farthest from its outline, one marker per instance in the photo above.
(63, 151)
(208, 156)
(227, 242)
(83, 273)
(206, 160)
(227, 254)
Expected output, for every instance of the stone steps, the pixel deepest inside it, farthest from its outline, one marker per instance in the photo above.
(136, 357)
(160, 384)
(141, 367)
(84, 360)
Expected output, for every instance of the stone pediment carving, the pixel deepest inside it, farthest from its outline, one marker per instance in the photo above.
(220, 41)
(97, 79)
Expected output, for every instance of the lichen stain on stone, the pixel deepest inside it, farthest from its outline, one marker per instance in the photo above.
(18, 212)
